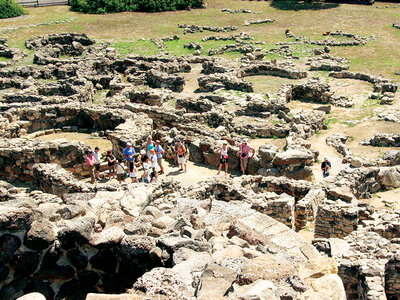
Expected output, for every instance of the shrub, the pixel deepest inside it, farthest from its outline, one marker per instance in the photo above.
(114, 6)
(10, 9)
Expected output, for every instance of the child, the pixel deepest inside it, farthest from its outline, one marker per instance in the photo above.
(146, 171)
(154, 165)
(120, 171)
(132, 174)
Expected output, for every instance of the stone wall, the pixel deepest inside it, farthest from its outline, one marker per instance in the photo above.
(18, 156)
(265, 68)
(392, 278)
(336, 219)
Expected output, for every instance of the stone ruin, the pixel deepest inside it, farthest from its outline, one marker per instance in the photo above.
(258, 21)
(67, 238)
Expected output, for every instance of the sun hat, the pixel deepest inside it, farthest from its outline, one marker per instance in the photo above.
(129, 144)
(157, 141)
(325, 158)
(178, 140)
(152, 151)
(244, 141)
(142, 152)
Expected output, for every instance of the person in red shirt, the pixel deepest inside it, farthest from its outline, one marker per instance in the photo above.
(244, 151)
(91, 160)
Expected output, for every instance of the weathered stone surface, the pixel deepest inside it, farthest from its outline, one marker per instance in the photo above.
(40, 235)
(9, 245)
(278, 269)
(109, 237)
(161, 282)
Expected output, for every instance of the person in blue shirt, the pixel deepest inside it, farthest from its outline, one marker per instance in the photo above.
(159, 151)
(129, 155)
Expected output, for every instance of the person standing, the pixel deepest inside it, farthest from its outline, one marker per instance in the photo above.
(244, 153)
(120, 171)
(149, 146)
(223, 151)
(97, 156)
(325, 167)
(90, 161)
(154, 165)
(181, 149)
(146, 171)
(111, 160)
(129, 155)
(159, 151)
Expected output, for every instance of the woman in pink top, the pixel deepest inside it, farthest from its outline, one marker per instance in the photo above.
(244, 151)
(91, 160)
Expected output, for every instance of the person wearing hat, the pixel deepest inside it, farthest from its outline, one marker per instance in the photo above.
(159, 151)
(223, 151)
(129, 155)
(325, 166)
(181, 151)
(244, 151)
(97, 155)
(143, 156)
(90, 161)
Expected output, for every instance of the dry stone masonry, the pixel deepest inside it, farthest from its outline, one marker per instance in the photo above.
(66, 238)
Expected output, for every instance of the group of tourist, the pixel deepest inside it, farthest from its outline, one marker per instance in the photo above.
(151, 160)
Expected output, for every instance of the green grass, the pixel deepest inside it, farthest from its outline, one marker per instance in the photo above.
(175, 47)
(371, 103)
(141, 47)
(311, 20)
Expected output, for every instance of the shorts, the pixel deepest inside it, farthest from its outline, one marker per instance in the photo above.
(223, 160)
(97, 167)
(121, 177)
(159, 161)
(182, 159)
(132, 174)
(111, 168)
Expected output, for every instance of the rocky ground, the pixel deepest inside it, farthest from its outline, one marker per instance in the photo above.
(281, 231)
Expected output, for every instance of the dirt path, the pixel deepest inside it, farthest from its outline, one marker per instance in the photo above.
(194, 174)
(318, 143)
(191, 83)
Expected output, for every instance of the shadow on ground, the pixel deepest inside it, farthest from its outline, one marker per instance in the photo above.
(302, 5)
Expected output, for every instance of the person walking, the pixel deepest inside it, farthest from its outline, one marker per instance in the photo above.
(244, 151)
(223, 151)
(325, 167)
(111, 160)
(181, 150)
(159, 151)
(149, 146)
(90, 161)
(129, 155)
(120, 171)
(97, 156)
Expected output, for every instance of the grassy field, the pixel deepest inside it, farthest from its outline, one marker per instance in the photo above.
(126, 29)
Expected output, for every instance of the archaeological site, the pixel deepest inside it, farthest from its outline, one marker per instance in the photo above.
(191, 149)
